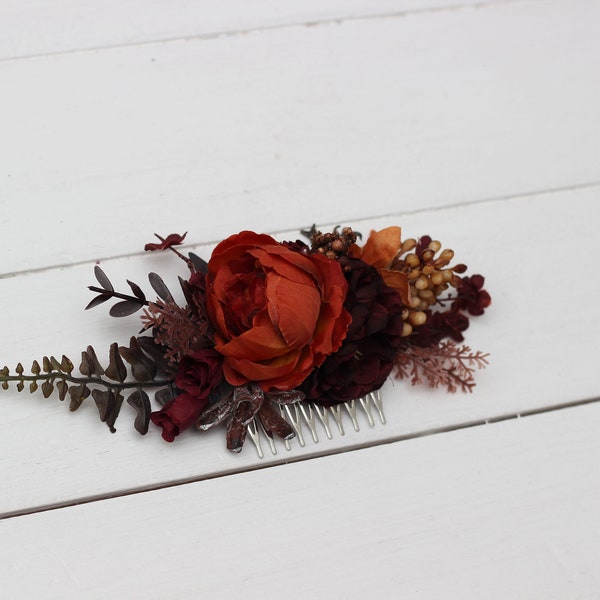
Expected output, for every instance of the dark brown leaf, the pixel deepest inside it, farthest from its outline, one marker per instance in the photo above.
(125, 308)
(109, 405)
(99, 299)
(117, 371)
(157, 353)
(47, 388)
(135, 288)
(164, 395)
(142, 367)
(103, 280)
(160, 288)
(66, 366)
(62, 389)
(141, 402)
(200, 265)
(78, 394)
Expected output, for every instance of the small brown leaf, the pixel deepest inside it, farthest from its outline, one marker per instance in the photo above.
(163, 396)
(109, 405)
(35, 367)
(141, 402)
(66, 366)
(97, 300)
(137, 291)
(200, 265)
(103, 280)
(142, 367)
(47, 389)
(160, 288)
(78, 394)
(90, 365)
(117, 371)
(125, 308)
(62, 389)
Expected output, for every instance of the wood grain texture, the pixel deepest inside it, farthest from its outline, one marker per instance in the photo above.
(30, 28)
(540, 355)
(500, 511)
(276, 129)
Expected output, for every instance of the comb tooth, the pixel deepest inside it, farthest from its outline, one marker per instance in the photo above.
(285, 442)
(309, 417)
(351, 408)
(269, 438)
(324, 416)
(255, 436)
(365, 402)
(295, 421)
(376, 397)
(336, 411)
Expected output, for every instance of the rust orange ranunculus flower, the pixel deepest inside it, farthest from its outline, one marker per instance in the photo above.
(277, 313)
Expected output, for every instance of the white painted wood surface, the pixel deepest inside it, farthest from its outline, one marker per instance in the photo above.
(55, 26)
(499, 511)
(476, 123)
(275, 129)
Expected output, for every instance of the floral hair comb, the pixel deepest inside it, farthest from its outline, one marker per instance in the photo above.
(272, 333)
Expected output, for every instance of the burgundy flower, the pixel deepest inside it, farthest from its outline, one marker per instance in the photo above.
(438, 326)
(197, 376)
(178, 415)
(471, 296)
(199, 373)
(365, 359)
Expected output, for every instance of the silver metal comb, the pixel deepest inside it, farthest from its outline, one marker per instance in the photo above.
(304, 417)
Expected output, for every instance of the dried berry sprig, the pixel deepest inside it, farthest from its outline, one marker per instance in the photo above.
(334, 245)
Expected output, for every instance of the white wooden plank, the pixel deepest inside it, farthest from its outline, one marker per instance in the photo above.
(28, 28)
(543, 353)
(277, 129)
(508, 510)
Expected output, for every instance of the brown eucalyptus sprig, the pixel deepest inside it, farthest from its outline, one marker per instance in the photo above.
(148, 367)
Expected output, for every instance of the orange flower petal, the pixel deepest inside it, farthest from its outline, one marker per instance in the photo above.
(398, 282)
(382, 246)
(293, 308)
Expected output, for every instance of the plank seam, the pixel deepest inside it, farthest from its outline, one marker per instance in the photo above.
(489, 200)
(257, 467)
(268, 28)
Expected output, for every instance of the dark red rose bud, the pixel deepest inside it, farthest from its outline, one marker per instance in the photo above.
(197, 376)
(178, 415)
